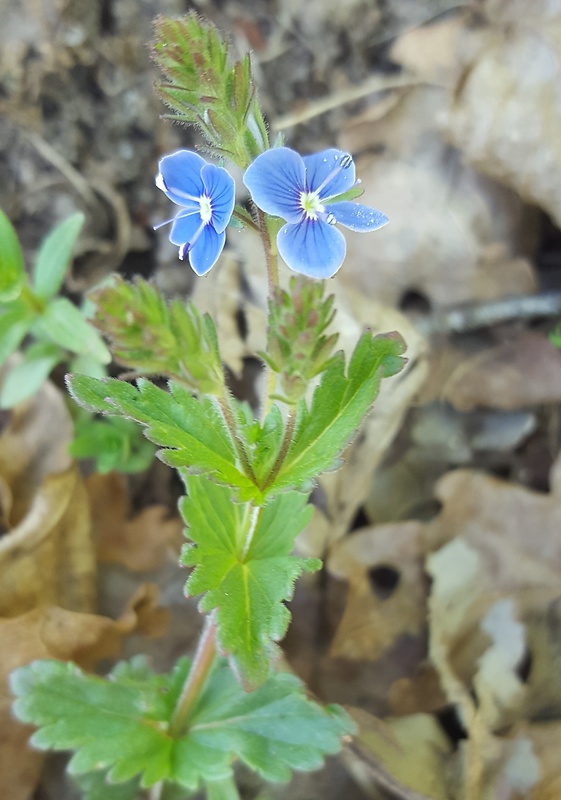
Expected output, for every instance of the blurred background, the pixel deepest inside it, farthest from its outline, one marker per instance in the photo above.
(438, 611)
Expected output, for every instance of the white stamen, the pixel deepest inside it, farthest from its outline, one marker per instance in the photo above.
(311, 205)
(206, 209)
(344, 163)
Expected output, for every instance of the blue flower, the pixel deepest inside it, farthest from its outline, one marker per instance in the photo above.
(299, 190)
(206, 194)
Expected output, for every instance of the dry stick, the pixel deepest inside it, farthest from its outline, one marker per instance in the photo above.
(470, 317)
(198, 674)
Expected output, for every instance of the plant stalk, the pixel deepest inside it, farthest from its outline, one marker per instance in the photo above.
(198, 674)
(230, 420)
(284, 448)
(272, 284)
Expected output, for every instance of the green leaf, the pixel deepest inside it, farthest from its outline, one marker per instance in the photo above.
(274, 729)
(247, 580)
(191, 430)
(120, 726)
(55, 255)
(94, 786)
(64, 324)
(338, 406)
(12, 268)
(15, 322)
(27, 377)
(115, 443)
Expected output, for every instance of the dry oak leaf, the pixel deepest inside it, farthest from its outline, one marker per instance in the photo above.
(33, 445)
(454, 236)
(505, 112)
(517, 530)
(53, 632)
(406, 756)
(522, 370)
(141, 543)
(387, 593)
(47, 558)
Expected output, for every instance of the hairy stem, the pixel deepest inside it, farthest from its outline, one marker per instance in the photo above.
(229, 418)
(272, 283)
(284, 448)
(196, 679)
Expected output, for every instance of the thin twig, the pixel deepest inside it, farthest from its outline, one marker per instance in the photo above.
(462, 319)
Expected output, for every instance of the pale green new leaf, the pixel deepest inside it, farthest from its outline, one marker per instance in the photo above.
(192, 431)
(55, 255)
(247, 584)
(64, 324)
(338, 406)
(120, 727)
(27, 376)
(12, 269)
(15, 322)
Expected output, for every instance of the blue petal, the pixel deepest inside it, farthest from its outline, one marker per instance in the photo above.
(275, 181)
(321, 165)
(185, 227)
(220, 187)
(180, 177)
(206, 250)
(357, 217)
(312, 248)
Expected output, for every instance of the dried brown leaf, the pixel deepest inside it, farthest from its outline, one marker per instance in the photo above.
(454, 236)
(142, 543)
(505, 112)
(522, 370)
(387, 593)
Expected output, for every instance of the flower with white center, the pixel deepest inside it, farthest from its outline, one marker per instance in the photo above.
(303, 192)
(206, 196)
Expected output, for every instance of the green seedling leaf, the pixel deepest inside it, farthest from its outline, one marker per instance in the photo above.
(12, 268)
(27, 377)
(15, 321)
(191, 430)
(337, 409)
(54, 257)
(115, 443)
(64, 324)
(244, 568)
(121, 727)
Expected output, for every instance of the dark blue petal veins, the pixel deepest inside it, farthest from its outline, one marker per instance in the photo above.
(331, 171)
(276, 180)
(207, 196)
(220, 187)
(206, 250)
(313, 248)
(180, 177)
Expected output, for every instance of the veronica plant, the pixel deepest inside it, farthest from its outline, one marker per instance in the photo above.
(248, 478)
